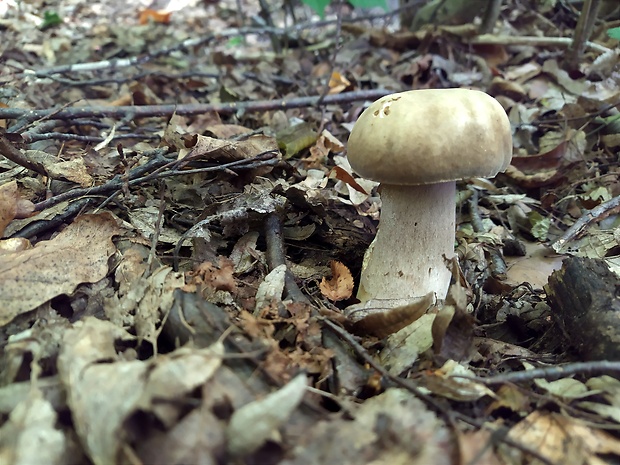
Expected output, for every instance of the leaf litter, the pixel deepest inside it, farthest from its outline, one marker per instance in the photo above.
(175, 280)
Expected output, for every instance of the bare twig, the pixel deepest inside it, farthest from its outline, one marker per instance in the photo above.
(534, 41)
(491, 15)
(276, 256)
(598, 213)
(158, 160)
(192, 109)
(499, 433)
(583, 31)
(38, 227)
(16, 156)
(553, 372)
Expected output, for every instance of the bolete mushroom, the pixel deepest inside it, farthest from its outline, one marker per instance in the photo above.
(417, 144)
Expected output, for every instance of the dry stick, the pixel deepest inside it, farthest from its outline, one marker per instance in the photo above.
(117, 182)
(136, 177)
(192, 109)
(596, 214)
(276, 256)
(330, 71)
(500, 433)
(553, 373)
(583, 31)
(16, 156)
(533, 40)
(37, 227)
(91, 139)
(491, 16)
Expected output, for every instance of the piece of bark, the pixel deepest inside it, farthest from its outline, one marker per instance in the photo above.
(586, 305)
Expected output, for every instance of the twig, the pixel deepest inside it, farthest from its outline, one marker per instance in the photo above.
(94, 139)
(553, 373)
(500, 433)
(491, 14)
(16, 156)
(37, 227)
(158, 160)
(583, 31)
(598, 213)
(330, 71)
(192, 109)
(276, 256)
(533, 40)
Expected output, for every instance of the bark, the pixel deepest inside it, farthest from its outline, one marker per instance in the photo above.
(586, 305)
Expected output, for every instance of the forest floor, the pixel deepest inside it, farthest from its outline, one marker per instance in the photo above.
(183, 238)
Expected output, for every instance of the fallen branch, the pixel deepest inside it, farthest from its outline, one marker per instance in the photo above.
(535, 41)
(191, 109)
(552, 373)
(596, 214)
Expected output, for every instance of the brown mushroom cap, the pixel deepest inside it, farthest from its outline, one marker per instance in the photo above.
(431, 136)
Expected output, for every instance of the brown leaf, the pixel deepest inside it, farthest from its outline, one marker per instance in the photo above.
(383, 322)
(79, 254)
(340, 287)
(342, 175)
(8, 204)
(157, 16)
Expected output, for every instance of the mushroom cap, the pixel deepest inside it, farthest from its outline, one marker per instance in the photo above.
(431, 136)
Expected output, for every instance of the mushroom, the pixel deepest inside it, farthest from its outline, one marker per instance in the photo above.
(417, 144)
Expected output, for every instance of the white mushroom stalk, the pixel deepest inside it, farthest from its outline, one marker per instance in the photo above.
(417, 144)
(416, 233)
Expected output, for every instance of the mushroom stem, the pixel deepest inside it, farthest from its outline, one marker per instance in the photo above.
(416, 231)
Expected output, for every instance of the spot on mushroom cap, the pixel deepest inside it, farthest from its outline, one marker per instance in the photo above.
(430, 136)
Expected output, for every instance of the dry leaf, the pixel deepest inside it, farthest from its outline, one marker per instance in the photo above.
(157, 16)
(338, 83)
(79, 254)
(8, 204)
(561, 439)
(340, 287)
(342, 175)
(381, 322)
(104, 390)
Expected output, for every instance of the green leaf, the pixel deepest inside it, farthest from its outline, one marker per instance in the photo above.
(614, 33)
(539, 225)
(369, 4)
(296, 138)
(317, 5)
(50, 19)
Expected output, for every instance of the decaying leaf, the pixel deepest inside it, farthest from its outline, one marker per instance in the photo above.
(270, 290)
(342, 175)
(32, 418)
(265, 415)
(448, 382)
(104, 390)
(340, 286)
(209, 148)
(380, 319)
(561, 439)
(8, 204)
(296, 138)
(79, 254)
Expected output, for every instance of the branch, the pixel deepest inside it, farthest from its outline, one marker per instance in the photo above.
(191, 109)
(534, 41)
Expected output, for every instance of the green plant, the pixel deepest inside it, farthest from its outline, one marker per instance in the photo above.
(614, 33)
(320, 5)
(50, 19)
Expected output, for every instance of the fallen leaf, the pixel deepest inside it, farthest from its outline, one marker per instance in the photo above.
(157, 16)
(343, 175)
(340, 287)
(8, 204)
(79, 254)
